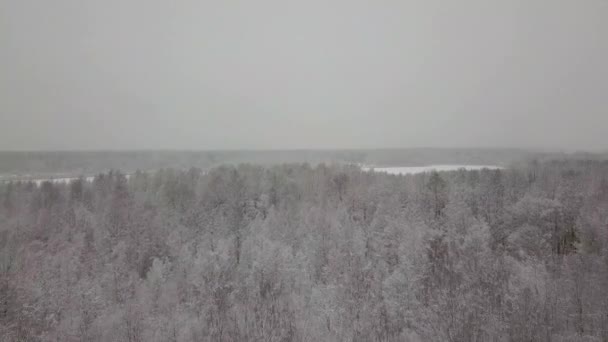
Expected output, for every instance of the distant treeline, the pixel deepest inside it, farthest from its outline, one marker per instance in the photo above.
(89, 163)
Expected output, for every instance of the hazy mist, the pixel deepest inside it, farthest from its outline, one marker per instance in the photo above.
(115, 74)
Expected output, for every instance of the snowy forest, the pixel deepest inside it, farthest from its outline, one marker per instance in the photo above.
(299, 252)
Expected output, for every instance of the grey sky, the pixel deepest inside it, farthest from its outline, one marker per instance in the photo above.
(126, 74)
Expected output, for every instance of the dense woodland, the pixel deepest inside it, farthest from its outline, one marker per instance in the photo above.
(308, 253)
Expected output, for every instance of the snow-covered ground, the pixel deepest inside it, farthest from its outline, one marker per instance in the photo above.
(404, 170)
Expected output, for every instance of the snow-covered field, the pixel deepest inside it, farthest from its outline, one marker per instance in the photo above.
(404, 170)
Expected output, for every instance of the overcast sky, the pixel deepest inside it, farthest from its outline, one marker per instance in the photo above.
(127, 74)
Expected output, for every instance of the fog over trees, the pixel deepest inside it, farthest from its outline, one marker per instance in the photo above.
(227, 171)
(295, 252)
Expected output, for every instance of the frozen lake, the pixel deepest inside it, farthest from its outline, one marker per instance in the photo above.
(405, 170)
(393, 170)
(56, 180)
(61, 180)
